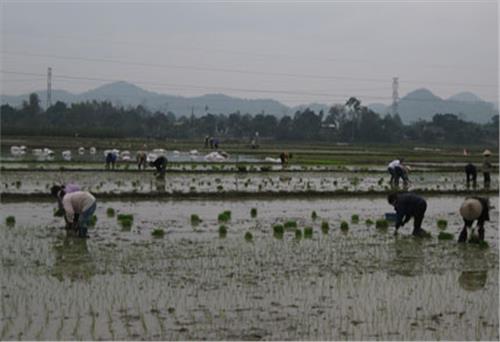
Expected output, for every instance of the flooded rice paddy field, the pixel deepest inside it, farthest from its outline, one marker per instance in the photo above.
(361, 284)
(146, 182)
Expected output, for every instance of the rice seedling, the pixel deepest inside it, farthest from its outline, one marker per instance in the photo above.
(298, 234)
(344, 226)
(483, 244)
(248, 236)
(224, 216)
(369, 222)
(308, 232)
(278, 230)
(242, 168)
(265, 168)
(442, 224)
(93, 221)
(10, 220)
(18, 184)
(253, 212)
(380, 181)
(222, 231)
(314, 216)
(325, 227)
(381, 224)
(220, 188)
(355, 218)
(110, 212)
(58, 212)
(125, 220)
(158, 233)
(445, 236)
(195, 220)
(290, 224)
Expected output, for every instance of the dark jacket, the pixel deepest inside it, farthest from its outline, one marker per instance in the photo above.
(410, 205)
(160, 163)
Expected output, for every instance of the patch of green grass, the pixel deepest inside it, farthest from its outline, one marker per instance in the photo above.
(325, 227)
(445, 236)
(195, 220)
(253, 212)
(121, 217)
(222, 231)
(314, 216)
(298, 234)
(224, 216)
(355, 218)
(10, 220)
(110, 212)
(369, 222)
(442, 224)
(344, 226)
(381, 224)
(158, 233)
(248, 236)
(290, 224)
(308, 232)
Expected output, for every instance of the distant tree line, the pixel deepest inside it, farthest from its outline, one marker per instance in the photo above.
(350, 122)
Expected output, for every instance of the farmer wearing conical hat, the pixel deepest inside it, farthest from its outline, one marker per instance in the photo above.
(486, 168)
(474, 208)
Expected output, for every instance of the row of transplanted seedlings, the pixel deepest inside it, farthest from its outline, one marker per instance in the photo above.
(220, 183)
(202, 279)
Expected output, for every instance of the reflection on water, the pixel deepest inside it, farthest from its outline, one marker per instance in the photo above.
(160, 183)
(408, 256)
(72, 259)
(472, 280)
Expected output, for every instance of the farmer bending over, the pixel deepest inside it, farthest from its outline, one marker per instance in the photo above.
(285, 157)
(81, 203)
(408, 205)
(474, 208)
(161, 165)
(397, 170)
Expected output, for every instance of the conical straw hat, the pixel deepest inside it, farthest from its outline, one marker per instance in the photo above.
(471, 209)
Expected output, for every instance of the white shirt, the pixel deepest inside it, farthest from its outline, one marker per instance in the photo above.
(76, 203)
(394, 163)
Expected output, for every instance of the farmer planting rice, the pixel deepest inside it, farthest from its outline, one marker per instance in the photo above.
(81, 203)
(58, 190)
(160, 164)
(408, 205)
(474, 208)
(487, 168)
(285, 157)
(471, 175)
(141, 160)
(397, 170)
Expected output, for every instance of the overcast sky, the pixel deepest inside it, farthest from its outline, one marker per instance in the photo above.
(295, 52)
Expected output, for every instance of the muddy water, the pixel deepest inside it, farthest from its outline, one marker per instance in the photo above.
(24, 182)
(191, 284)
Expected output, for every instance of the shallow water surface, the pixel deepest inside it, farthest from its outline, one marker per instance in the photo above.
(361, 284)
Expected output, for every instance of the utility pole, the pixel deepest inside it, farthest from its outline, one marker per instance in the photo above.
(49, 87)
(395, 95)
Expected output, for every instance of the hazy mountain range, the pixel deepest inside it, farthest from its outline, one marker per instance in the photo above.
(418, 104)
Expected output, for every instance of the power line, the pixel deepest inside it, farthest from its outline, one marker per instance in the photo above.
(246, 53)
(241, 71)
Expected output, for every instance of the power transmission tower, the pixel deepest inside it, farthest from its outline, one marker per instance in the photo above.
(49, 87)
(395, 95)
